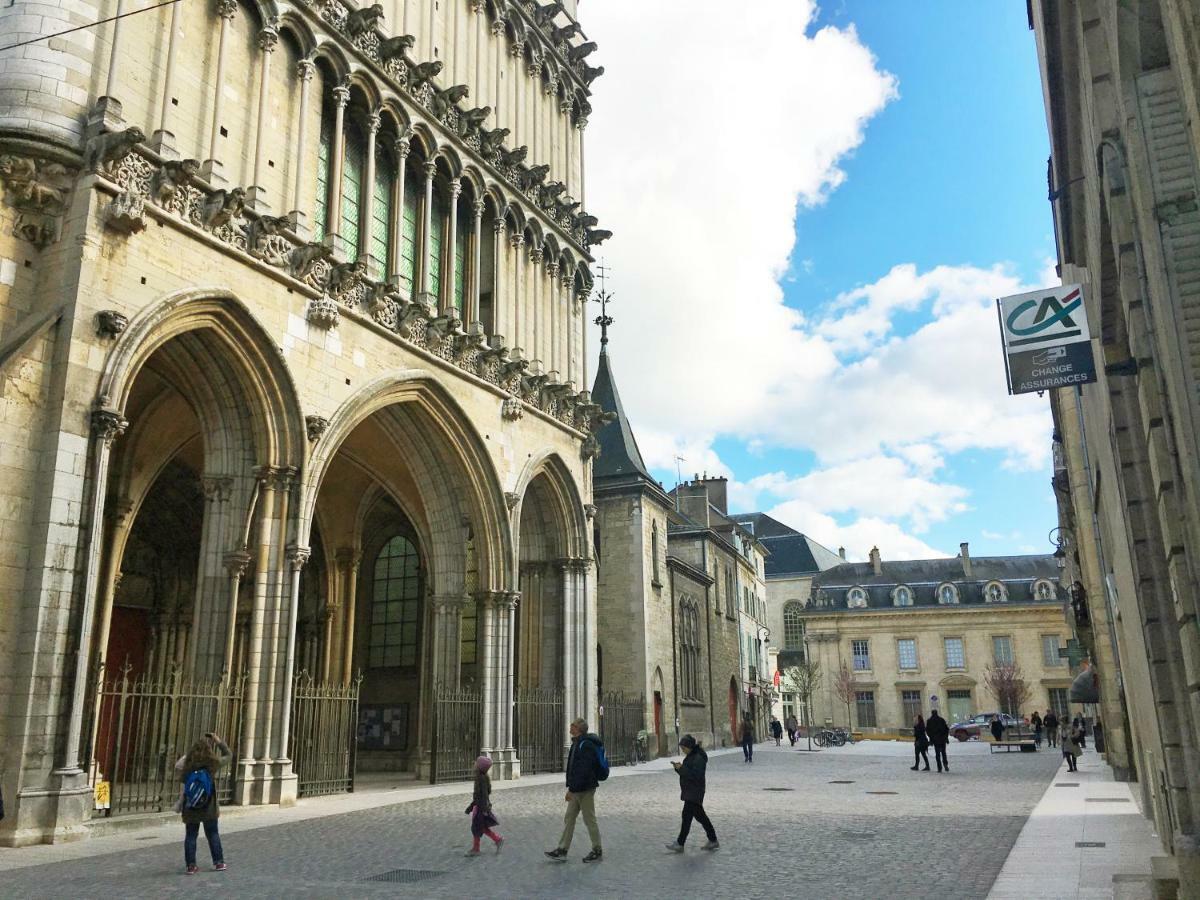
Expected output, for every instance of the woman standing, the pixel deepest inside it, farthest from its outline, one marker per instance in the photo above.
(1072, 748)
(1036, 721)
(691, 792)
(920, 742)
(198, 775)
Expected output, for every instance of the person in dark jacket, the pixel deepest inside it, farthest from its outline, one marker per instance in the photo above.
(1036, 722)
(480, 808)
(776, 730)
(920, 743)
(1072, 748)
(748, 739)
(1051, 723)
(938, 732)
(210, 754)
(997, 728)
(791, 726)
(583, 764)
(691, 792)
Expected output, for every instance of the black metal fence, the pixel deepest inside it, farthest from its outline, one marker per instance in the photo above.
(457, 719)
(144, 725)
(539, 726)
(323, 732)
(622, 716)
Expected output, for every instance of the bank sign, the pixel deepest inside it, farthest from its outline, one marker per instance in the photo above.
(1046, 339)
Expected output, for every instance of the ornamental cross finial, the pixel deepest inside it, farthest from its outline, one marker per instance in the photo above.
(604, 298)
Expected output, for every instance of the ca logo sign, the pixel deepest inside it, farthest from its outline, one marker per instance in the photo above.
(1050, 311)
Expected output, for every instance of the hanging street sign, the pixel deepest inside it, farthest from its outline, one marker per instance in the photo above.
(1046, 339)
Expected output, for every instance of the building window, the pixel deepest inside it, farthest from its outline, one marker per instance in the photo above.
(459, 294)
(1050, 647)
(856, 598)
(354, 161)
(730, 593)
(864, 702)
(793, 626)
(947, 594)
(995, 593)
(911, 702)
(902, 596)
(689, 649)
(654, 552)
(861, 651)
(437, 235)
(955, 658)
(395, 602)
(408, 235)
(324, 160)
(907, 651)
(381, 208)
(1043, 590)
(1060, 703)
(1002, 651)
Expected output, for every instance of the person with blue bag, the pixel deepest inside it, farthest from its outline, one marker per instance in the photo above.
(198, 799)
(587, 766)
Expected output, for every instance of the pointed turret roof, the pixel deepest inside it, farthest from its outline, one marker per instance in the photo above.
(619, 454)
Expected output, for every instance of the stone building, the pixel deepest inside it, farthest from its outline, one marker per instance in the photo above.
(1120, 86)
(912, 635)
(290, 330)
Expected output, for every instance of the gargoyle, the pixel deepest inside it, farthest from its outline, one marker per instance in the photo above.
(577, 54)
(513, 157)
(490, 141)
(584, 221)
(470, 121)
(533, 383)
(421, 73)
(443, 100)
(304, 257)
(591, 73)
(508, 367)
(344, 276)
(548, 193)
(596, 236)
(533, 176)
(26, 185)
(171, 177)
(108, 149)
(565, 33)
(360, 21)
(563, 209)
(544, 14)
(497, 352)
(395, 47)
(221, 206)
(258, 230)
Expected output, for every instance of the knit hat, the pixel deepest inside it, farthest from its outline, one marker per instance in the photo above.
(483, 764)
(687, 742)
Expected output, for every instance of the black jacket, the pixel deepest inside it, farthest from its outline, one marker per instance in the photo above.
(581, 763)
(937, 729)
(691, 776)
(997, 729)
(920, 736)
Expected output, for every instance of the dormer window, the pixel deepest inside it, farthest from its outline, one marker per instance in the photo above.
(947, 594)
(902, 596)
(995, 592)
(856, 598)
(1043, 590)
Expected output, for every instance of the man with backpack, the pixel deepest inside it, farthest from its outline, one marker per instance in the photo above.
(587, 766)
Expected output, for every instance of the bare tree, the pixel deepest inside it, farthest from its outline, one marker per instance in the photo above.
(1007, 683)
(844, 687)
(803, 680)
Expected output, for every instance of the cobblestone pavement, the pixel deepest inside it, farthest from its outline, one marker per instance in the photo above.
(785, 828)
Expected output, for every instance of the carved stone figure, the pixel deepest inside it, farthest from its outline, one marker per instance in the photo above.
(126, 213)
(513, 157)
(316, 426)
(564, 34)
(323, 312)
(304, 257)
(443, 100)
(221, 206)
(548, 193)
(27, 183)
(589, 449)
(564, 209)
(259, 229)
(543, 15)
(583, 220)
(490, 141)
(469, 122)
(511, 367)
(422, 73)
(343, 277)
(174, 175)
(577, 54)
(533, 176)
(105, 151)
(395, 47)
(111, 323)
(512, 498)
(360, 21)
(591, 73)
(596, 236)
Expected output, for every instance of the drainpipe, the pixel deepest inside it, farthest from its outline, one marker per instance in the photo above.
(712, 721)
(674, 653)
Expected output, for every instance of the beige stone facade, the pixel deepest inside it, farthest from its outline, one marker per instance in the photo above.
(1120, 85)
(293, 357)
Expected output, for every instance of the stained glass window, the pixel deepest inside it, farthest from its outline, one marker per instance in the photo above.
(395, 605)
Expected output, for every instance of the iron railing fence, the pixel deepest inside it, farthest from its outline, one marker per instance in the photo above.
(457, 721)
(539, 726)
(323, 735)
(622, 718)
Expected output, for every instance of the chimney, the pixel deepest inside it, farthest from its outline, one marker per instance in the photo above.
(718, 491)
(693, 501)
(965, 556)
(842, 552)
(876, 562)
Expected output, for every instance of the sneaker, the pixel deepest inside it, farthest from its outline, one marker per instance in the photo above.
(220, 867)
(499, 844)
(192, 870)
(711, 845)
(474, 851)
(914, 768)
(596, 855)
(675, 847)
(558, 854)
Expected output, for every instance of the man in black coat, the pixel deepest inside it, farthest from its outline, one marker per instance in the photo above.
(939, 735)
(583, 763)
(691, 792)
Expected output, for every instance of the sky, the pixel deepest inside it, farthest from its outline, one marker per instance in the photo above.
(814, 208)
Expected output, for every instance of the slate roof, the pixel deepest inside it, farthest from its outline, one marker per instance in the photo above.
(791, 553)
(619, 455)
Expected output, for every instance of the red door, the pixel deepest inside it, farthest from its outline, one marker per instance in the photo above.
(658, 724)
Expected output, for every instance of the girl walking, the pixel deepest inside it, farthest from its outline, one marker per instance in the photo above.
(920, 743)
(198, 801)
(480, 808)
(691, 792)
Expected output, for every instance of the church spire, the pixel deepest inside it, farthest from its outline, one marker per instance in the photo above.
(604, 319)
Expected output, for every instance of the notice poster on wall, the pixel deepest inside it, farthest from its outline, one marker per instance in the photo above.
(1046, 339)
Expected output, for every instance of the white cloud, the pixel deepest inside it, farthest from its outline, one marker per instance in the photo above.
(858, 537)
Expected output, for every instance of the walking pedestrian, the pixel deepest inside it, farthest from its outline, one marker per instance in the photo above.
(938, 732)
(748, 739)
(1072, 748)
(587, 766)
(1079, 723)
(791, 724)
(1036, 721)
(997, 728)
(691, 792)
(480, 808)
(1051, 723)
(921, 742)
(198, 771)
(776, 730)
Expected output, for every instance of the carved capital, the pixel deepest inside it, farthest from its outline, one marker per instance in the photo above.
(374, 120)
(316, 426)
(236, 562)
(403, 146)
(445, 605)
(581, 123)
(516, 49)
(108, 424)
(268, 38)
(516, 240)
(564, 107)
(216, 487)
(298, 556)
(477, 207)
(348, 558)
(553, 268)
(511, 499)
(126, 213)
(430, 168)
(535, 254)
(497, 26)
(455, 188)
(227, 9)
(305, 69)
(111, 323)
(341, 95)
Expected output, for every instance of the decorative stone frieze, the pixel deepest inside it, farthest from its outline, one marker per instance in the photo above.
(110, 323)
(125, 213)
(323, 312)
(511, 409)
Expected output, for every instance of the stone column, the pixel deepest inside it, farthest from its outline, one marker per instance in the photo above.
(368, 203)
(553, 357)
(447, 624)
(499, 297)
(121, 523)
(211, 170)
(569, 649)
(426, 229)
(285, 480)
(268, 38)
(516, 241)
(471, 313)
(486, 634)
(114, 53)
(449, 285)
(328, 614)
(533, 323)
(304, 71)
(584, 384)
(348, 560)
(341, 97)
(509, 611)
(163, 141)
(297, 557)
(403, 146)
(236, 563)
(204, 656)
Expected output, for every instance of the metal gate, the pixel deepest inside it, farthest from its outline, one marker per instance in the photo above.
(144, 725)
(622, 716)
(322, 740)
(457, 718)
(539, 726)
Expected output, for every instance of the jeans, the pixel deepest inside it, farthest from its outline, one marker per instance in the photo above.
(748, 748)
(922, 753)
(584, 802)
(192, 831)
(1037, 736)
(939, 753)
(695, 811)
(1052, 736)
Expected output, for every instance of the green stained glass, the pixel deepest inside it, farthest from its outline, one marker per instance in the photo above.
(437, 235)
(352, 183)
(395, 606)
(408, 237)
(460, 263)
(381, 210)
(324, 154)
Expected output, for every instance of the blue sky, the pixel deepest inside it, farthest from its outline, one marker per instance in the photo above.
(941, 170)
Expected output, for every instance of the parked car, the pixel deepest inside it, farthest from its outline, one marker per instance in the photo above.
(978, 724)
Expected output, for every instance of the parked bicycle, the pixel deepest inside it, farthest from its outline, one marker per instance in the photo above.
(832, 737)
(639, 751)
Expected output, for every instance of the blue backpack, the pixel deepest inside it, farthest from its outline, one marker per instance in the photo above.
(197, 789)
(601, 764)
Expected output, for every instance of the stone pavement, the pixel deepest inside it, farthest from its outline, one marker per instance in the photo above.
(1084, 831)
(844, 822)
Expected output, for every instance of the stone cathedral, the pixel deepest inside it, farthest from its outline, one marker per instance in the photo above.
(294, 441)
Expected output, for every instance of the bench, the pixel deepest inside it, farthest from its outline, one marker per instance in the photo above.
(1025, 746)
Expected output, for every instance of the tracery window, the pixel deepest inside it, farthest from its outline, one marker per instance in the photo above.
(324, 161)
(381, 208)
(856, 598)
(947, 594)
(1043, 590)
(408, 233)
(995, 592)
(395, 605)
(902, 596)
(793, 626)
(689, 650)
(354, 164)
